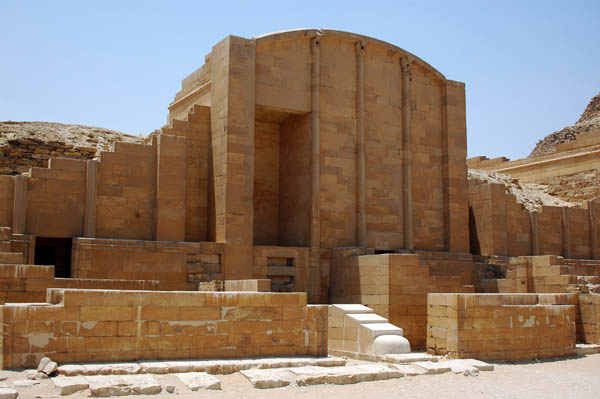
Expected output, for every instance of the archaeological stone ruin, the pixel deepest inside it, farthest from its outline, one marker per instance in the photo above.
(309, 195)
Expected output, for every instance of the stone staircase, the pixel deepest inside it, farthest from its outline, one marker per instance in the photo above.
(7, 255)
(356, 331)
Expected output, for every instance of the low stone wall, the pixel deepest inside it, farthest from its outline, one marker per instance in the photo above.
(509, 327)
(95, 325)
(28, 283)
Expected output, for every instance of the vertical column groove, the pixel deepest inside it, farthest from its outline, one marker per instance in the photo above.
(19, 220)
(534, 233)
(361, 192)
(445, 168)
(593, 230)
(89, 222)
(315, 225)
(406, 156)
(566, 238)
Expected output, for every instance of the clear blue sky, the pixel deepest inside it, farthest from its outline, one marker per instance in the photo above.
(530, 67)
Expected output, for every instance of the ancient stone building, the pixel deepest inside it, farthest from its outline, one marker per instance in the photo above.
(330, 163)
(281, 147)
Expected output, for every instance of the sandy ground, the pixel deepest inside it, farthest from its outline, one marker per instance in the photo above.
(569, 378)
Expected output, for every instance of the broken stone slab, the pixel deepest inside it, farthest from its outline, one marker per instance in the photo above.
(107, 385)
(405, 358)
(25, 383)
(433, 367)
(71, 370)
(111, 368)
(313, 375)
(154, 367)
(70, 385)
(112, 385)
(481, 366)
(180, 366)
(460, 366)
(199, 380)
(266, 378)
(142, 384)
(43, 363)
(50, 368)
(8, 393)
(409, 369)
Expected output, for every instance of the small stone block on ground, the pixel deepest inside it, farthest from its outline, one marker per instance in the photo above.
(459, 366)
(8, 393)
(481, 366)
(433, 368)
(196, 381)
(266, 378)
(405, 358)
(70, 385)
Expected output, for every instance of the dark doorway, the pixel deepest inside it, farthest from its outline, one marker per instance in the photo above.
(54, 252)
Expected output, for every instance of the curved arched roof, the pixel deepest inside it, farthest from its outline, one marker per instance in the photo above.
(309, 33)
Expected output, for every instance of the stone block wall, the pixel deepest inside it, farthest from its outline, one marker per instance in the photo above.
(94, 325)
(508, 327)
(56, 199)
(588, 324)
(501, 226)
(130, 259)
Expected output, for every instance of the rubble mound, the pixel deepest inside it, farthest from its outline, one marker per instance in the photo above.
(589, 121)
(27, 144)
(530, 195)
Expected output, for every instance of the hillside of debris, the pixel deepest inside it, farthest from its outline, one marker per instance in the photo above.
(589, 121)
(530, 195)
(27, 144)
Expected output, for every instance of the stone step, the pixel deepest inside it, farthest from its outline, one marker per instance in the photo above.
(367, 318)
(409, 369)
(378, 329)
(433, 367)
(586, 349)
(406, 358)
(12, 258)
(353, 308)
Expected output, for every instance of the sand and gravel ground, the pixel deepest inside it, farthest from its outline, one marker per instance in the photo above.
(568, 378)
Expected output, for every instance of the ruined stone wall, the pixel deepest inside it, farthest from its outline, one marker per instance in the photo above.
(501, 226)
(95, 325)
(506, 327)
(571, 173)
(577, 187)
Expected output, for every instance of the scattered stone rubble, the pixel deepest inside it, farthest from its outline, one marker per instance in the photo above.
(107, 379)
(27, 144)
(589, 121)
(530, 195)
